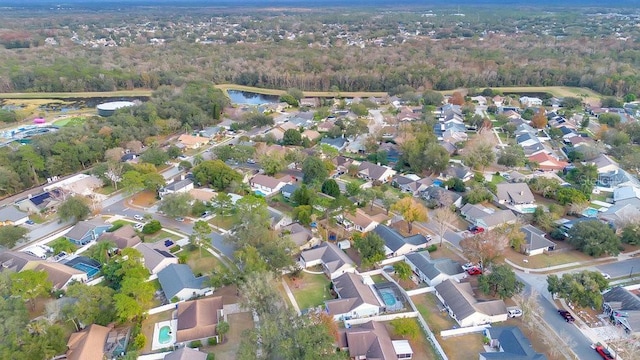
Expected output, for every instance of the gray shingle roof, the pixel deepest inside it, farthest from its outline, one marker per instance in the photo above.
(394, 240)
(460, 299)
(331, 256)
(11, 213)
(186, 353)
(517, 193)
(82, 228)
(535, 239)
(353, 293)
(431, 268)
(176, 277)
(514, 344)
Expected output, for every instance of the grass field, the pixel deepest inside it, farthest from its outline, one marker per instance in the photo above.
(310, 290)
(70, 121)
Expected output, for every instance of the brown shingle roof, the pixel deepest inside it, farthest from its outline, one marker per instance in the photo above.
(124, 237)
(197, 319)
(58, 274)
(88, 344)
(370, 340)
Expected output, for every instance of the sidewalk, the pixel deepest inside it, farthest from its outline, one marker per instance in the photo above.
(291, 298)
(621, 257)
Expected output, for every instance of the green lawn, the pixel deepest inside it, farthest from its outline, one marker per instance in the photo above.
(106, 190)
(160, 235)
(200, 263)
(497, 179)
(224, 222)
(72, 121)
(427, 305)
(310, 290)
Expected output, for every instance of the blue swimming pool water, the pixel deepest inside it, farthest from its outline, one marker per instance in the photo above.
(164, 335)
(90, 270)
(590, 212)
(388, 298)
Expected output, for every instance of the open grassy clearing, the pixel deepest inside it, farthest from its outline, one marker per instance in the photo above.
(200, 262)
(462, 347)
(144, 198)
(544, 260)
(309, 290)
(238, 323)
(429, 307)
(65, 95)
(421, 347)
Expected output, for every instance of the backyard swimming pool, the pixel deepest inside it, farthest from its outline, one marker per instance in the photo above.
(90, 270)
(388, 298)
(590, 212)
(164, 335)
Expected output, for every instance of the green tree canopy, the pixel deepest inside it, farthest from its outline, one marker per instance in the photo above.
(74, 208)
(11, 235)
(594, 238)
(314, 170)
(501, 281)
(292, 137)
(512, 156)
(583, 288)
(91, 305)
(30, 285)
(216, 174)
(176, 204)
(370, 247)
(331, 188)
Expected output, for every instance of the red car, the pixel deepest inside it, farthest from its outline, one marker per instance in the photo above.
(476, 230)
(604, 353)
(474, 271)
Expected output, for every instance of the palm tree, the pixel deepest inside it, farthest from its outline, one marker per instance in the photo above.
(222, 328)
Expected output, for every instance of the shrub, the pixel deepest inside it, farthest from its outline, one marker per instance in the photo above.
(174, 249)
(212, 341)
(152, 227)
(139, 341)
(174, 299)
(195, 344)
(432, 248)
(115, 227)
(182, 258)
(211, 356)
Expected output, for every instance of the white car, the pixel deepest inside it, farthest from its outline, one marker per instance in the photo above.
(468, 266)
(138, 226)
(513, 313)
(606, 276)
(138, 217)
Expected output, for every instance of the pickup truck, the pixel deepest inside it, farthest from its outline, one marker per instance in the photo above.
(566, 315)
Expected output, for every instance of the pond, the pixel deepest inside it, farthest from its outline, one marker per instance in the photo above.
(249, 98)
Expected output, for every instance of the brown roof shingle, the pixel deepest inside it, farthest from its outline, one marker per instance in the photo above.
(197, 319)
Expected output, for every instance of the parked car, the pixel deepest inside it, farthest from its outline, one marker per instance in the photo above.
(138, 226)
(514, 313)
(181, 219)
(468, 266)
(205, 214)
(604, 353)
(474, 271)
(138, 217)
(476, 229)
(251, 161)
(606, 276)
(30, 222)
(566, 315)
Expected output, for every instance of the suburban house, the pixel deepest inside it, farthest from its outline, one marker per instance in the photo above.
(433, 271)
(487, 218)
(44, 201)
(89, 343)
(441, 196)
(527, 101)
(464, 308)
(610, 175)
(182, 186)
(211, 131)
(197, 319)
(186, 353)
(371, 340)
(515, 195)
(288, 190)
(11, 216)
(334, 261)
(627, 195)
(311, 134)
(17, 261)
(155, 259)
(412, 184)
(277, 133)
(511, 344)
(620, 215)
(395, 244)
(359, 221)
(97, 342)
(177, 281)
(124, 237)
(355, 298)
(268, 185)
(535, 241)
(457, 171)
(81, 184)
(337, 143)
(300, 235)
(546, 162)
(61, 275)
(87, 231)
(372, 172)
(623, 308)
(192, 142)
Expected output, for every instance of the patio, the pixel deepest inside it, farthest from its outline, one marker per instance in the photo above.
(164, 334)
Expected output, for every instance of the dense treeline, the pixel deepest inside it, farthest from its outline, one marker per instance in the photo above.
(75, 148)
(565, 53)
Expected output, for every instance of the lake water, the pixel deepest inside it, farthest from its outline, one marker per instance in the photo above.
(249, 98)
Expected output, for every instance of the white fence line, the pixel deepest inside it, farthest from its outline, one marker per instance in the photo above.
(421, 290)
(632, 287)
(162, 308)
(430, 335)
(386, 317)
(156, 356)
(391, 260)
(464, 330)
(95, 281)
